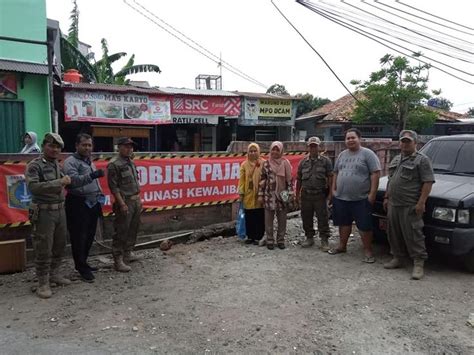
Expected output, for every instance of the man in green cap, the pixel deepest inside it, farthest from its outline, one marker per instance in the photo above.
(313, 180)
(410, 180)
(122, 178)
(46, 183)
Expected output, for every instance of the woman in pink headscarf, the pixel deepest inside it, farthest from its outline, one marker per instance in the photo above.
(275, 185)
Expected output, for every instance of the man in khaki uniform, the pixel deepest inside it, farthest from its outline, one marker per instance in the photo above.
(312, 189)
(46, 183)
(122, 178)
(410, 180)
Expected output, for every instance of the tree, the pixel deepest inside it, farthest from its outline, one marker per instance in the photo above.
(308, 103)
(395, 95)
(470, 112)
(277, 89)
(100, 71)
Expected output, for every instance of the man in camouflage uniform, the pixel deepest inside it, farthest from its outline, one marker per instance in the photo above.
(46, 183)
(122, 178)
(410, 180)
(312, 189)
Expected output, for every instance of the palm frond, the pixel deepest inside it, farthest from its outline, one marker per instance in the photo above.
(72, 58)
(140, 68)
(112, 58)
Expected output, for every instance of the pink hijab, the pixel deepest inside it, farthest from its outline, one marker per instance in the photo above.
(281, 167)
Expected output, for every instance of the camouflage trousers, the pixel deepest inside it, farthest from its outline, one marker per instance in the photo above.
(126, 227)
(315, 204)
(405, 232)
(49, 239)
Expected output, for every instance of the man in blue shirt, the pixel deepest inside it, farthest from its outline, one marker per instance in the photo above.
(83, 203)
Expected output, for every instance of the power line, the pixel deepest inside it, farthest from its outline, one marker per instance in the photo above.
(451, 37)
(253, 81)
(370, 36)
(430, 14)
(315, 51)
(406, 28)
(422, 18)
(197, 44)
(382, 24)
(348, 18)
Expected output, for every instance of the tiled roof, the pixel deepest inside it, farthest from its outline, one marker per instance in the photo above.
(448, 116)
(23, 67)
(341, 110)
(338, 110)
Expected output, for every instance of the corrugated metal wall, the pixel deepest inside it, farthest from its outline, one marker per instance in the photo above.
(12, 126)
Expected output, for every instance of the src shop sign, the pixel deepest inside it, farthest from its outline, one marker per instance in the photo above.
(165, 182)
(208, 105)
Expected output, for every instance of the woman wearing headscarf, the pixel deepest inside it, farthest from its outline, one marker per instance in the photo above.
(30, 140)
(250, 172)
(274, 189)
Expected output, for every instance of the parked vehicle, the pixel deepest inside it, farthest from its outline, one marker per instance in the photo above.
(449, 216)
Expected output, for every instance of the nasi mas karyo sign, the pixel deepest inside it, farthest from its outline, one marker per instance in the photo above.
(108, 107)
(165, 182)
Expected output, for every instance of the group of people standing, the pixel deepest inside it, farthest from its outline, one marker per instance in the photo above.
(52, 213)
(348, 190)
(266, 192)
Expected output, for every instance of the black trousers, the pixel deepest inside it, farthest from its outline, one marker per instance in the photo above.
(81, 224)
(255, 223)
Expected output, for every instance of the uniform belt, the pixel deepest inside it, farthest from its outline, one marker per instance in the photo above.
(50, 206)
(313, 191)
(133, 197)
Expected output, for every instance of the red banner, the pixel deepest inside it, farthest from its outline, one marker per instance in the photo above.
(205, 105)
(164, 182)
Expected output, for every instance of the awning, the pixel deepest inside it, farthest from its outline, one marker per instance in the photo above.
(23, 67)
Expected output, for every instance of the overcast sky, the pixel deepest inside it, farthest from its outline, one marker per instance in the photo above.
(253, 37)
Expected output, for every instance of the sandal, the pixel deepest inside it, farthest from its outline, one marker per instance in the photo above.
(336, 251)
(369, 260)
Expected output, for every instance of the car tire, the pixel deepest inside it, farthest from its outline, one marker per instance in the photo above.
(469, 261)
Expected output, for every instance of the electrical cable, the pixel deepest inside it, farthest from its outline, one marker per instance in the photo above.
(361, 32)
(422, 18)
(430, 14)
(195, 43)
(416, 23)
(194, 48)
(396, 37)
(443, 36)
(315, 51)
(376, 21)
(395, 24)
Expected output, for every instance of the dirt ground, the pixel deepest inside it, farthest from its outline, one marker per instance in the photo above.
(220, 296)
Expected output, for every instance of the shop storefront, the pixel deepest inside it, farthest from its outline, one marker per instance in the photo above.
(158, 119)
(202, 120)
(266, 118)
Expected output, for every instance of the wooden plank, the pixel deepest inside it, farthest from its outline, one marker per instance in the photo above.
(12, 256)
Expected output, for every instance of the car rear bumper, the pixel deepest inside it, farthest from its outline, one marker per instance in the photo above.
(455, 241)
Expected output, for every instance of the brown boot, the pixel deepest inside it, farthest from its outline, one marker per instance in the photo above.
(393, 264)
(129, 257)
(324, 244)
(58, 279)
(120, 266)
(309, 242)
(418, 272)
(43, 290)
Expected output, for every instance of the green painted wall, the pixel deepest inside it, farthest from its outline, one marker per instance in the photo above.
(35, 94)
(24, 19)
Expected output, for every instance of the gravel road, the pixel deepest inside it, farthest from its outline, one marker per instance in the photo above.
(221, 296)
